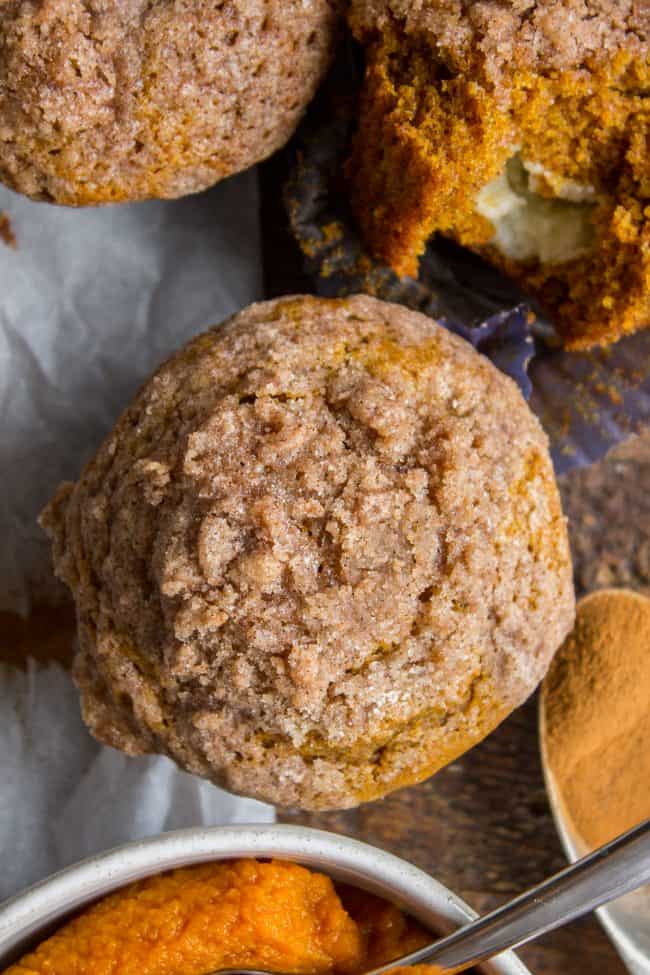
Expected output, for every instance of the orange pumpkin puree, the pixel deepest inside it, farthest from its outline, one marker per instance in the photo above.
(276, 916)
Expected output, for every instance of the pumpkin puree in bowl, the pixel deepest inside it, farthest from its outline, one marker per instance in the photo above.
(243, 913)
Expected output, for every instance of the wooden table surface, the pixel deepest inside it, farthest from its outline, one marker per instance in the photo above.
(483, 825)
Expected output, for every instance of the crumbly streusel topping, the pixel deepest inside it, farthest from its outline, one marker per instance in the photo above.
(494, 37)
(102, 102)
(321, 553)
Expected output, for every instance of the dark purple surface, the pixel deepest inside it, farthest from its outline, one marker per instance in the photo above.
(590, 401)
(506, 339)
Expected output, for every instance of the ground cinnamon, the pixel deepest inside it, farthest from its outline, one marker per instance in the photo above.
(596, 707)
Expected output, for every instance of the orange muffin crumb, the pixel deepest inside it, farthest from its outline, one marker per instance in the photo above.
(276, 916)
(535, 155)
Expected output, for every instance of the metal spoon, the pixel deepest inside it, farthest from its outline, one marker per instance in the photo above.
(609, 872)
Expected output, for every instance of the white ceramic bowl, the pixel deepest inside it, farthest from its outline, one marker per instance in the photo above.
(29, 917)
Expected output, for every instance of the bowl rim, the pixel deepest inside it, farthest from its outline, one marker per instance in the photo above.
(26, 914)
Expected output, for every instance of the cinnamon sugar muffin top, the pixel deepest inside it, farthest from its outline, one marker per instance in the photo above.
(320, 555)
(103, 102)
(490, 38)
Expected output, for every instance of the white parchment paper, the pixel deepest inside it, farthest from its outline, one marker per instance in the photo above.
(90, 302)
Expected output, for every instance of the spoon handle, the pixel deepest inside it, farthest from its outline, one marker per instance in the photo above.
(609, 872)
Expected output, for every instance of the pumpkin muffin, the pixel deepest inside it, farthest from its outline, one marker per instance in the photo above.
(106, 102)
(522, 130)
(321, 554)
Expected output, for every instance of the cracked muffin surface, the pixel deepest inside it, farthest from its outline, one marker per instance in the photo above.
(321, 554)
(521, 129)
(103, 102)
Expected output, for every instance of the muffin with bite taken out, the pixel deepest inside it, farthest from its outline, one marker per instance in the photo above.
(522, 130)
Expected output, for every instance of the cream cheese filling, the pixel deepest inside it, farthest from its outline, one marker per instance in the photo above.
(538, 215)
